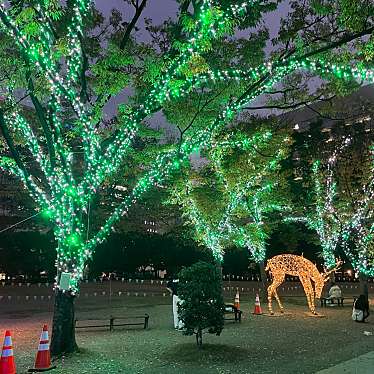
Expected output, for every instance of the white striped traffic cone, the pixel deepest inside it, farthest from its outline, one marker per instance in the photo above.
(7, 364)
(43, 357)
(237, 301)
(258, 309)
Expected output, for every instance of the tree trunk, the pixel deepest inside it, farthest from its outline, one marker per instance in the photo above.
(199, 337)
(63, 329)
(264, 281)
(218, 265)
(364, 290)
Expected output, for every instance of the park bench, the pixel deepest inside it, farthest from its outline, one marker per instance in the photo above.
(112, 322)
(340, 300)
(231, 309)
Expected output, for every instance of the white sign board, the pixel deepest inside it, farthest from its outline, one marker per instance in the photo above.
(65, 281)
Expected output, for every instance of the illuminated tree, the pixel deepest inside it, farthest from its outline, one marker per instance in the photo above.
(353, 169)
(354, 173)
(319, 214)
(64, 152)
(341, 209)
(230, 201)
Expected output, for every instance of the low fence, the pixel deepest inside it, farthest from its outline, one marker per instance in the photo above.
(162, 282)
(44, 292)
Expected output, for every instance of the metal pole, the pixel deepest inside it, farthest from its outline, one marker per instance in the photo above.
(110, 290)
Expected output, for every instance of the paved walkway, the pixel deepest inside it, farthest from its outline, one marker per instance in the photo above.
(360, 365)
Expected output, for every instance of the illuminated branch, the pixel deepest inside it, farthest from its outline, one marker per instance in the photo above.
(65, 76)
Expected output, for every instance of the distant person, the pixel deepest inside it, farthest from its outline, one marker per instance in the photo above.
(361, 309)
(172, 287)
(335, 293)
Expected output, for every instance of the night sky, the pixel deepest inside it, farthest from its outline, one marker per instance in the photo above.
(160, 10)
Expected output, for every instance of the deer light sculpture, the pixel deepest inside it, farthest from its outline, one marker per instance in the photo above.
(300, 267)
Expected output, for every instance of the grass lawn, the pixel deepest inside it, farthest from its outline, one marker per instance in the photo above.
(291, 343)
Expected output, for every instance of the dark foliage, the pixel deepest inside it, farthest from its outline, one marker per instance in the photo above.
(202, 308)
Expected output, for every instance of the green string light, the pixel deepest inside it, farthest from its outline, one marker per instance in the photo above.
(66, 198)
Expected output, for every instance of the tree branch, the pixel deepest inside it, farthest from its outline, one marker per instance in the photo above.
(42, 119)
(26, 176)
(130, 27)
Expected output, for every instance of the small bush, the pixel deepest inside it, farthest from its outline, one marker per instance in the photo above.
(202, 307)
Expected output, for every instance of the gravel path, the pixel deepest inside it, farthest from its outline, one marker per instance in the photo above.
(294, 342)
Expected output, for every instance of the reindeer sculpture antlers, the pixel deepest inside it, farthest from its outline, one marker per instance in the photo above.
(326, 273)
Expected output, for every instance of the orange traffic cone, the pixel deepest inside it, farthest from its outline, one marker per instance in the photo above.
(7, 364)
(257, 305)
(237, 301)
(43, 357)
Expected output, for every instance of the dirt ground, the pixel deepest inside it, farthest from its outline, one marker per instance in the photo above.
(295, 342)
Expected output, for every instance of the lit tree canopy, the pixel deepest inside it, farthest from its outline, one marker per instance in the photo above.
(230, 199)
(352, 170)
(339, 194)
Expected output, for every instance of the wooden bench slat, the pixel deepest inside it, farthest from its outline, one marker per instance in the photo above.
(128, 324)
(89, 326)
(231, 309)
(112, 322)
(340, 300)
